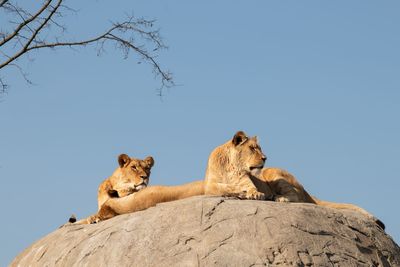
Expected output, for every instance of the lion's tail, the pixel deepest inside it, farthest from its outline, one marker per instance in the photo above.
(349, 207)
(72, 219)
(88, 220)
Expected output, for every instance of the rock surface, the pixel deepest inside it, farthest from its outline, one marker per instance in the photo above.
(214, 231)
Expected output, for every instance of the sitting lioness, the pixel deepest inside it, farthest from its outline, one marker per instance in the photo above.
(131, 176)
(234, 169)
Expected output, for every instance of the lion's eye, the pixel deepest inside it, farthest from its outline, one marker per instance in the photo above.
(134, 168)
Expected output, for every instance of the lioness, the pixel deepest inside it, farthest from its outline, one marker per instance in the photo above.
(131, 176)
(230, 171)
(234, 169)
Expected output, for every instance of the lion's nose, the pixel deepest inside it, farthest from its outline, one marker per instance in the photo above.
(264, 158)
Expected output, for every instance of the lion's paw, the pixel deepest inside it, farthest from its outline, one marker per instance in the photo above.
(125, 192)
(93, 219)
(254, 194)
(281, 199)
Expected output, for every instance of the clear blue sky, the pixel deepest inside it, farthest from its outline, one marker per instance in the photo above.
(317, 81)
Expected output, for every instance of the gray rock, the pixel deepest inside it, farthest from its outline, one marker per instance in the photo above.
(214, 231)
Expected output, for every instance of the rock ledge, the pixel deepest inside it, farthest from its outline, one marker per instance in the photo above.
(215, 231)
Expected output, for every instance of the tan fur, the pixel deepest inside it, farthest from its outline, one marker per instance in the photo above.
(131, 176)
(287, 189)
(284, 186)
(144, 199)
(233, 169)
(229, 173)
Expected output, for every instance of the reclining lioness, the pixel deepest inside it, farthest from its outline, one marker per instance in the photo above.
(130, 177)
(230, 171)
(234, 169)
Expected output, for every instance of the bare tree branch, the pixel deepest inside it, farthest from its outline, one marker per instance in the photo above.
(24, 23)
(26, 48)
(3, 2)
(33, 32)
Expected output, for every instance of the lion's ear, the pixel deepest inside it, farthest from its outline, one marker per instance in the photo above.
(149, 161)
(239, 138)
(123, 159)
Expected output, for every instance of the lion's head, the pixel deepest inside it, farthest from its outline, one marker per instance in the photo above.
(134, 173)
(247, 153)
(239, 156)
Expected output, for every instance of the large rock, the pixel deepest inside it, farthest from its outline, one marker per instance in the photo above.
(209, 231)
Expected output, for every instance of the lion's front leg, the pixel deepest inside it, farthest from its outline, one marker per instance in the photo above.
(250, 191)
(245, 189)
(106, 212)
(125, 191)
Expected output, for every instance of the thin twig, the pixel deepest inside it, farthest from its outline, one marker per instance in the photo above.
(34, 37)
(24, 23)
